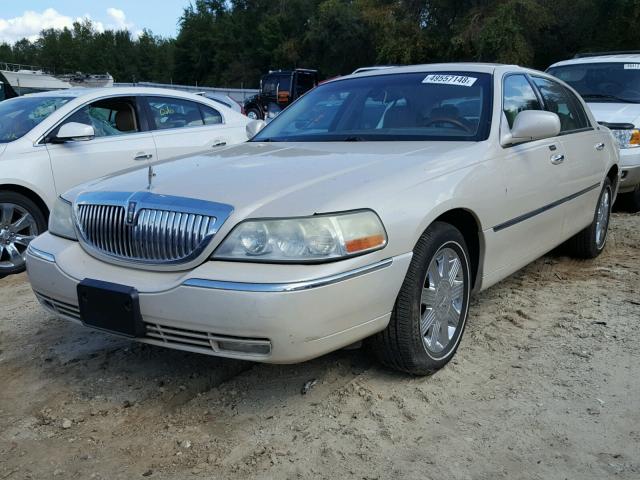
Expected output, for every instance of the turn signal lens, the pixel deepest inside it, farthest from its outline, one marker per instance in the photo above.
(308, 239)
(365, 243)
(627, 138)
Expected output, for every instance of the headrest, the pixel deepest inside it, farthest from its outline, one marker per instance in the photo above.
(125, 121)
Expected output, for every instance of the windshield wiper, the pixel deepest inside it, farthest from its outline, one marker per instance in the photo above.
(353, 138)
(608, 97)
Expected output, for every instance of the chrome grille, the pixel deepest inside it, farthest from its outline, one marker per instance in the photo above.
(158, 236)
(145, 227)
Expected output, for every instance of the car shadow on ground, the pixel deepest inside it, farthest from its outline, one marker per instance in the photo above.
(117, 370)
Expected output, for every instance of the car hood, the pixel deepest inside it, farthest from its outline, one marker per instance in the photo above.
(616, 112)
(291, 179)
(3, 147)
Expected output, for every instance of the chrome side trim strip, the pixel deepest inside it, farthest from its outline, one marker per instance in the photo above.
(286, 287)
(538, 211)
(47, 257)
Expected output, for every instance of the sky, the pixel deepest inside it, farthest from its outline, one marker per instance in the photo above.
(26, 19)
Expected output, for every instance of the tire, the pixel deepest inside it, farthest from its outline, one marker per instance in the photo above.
(590, 242)
(427, 296)
(20, 222)
(631, 201)
(254, 114)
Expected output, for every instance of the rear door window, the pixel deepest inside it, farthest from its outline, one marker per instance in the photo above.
(559, 100)
(168, 113)
(210, 115)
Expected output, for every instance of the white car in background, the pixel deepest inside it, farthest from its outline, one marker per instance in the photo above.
(223, 99)
(610, 84)
(371, 207)
(51, 141)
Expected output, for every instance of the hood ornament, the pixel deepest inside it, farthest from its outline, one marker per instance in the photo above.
(150, 176)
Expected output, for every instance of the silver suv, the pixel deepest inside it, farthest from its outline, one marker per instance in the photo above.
(610, 84)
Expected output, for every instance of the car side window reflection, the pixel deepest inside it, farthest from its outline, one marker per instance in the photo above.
(169, 113)
(108, 117)
(559, 100)
(518, 96)
(210, 115)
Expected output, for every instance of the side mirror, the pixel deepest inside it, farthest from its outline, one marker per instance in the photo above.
(532, 125)
(254, 127)
(74, 131)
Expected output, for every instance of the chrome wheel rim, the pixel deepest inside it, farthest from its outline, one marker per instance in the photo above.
(602, 218)
(252, 115)
(17, 229)
(442, 300)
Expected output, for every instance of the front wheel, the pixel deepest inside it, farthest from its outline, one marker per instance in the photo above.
(431, 310)
(20, 222)
(590, 242)
(254, 114)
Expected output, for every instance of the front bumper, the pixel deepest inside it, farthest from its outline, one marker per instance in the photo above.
(290, 314)
(630, 169)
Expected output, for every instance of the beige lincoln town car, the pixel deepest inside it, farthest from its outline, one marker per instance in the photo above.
(371, 209)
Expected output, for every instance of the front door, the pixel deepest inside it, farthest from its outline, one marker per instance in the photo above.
(119, 143)
(535, 185)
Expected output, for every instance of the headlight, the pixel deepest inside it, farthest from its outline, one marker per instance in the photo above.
(61, 220)
(627, 138)
(309, 239)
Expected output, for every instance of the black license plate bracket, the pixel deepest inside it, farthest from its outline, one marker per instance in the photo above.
(111, 307)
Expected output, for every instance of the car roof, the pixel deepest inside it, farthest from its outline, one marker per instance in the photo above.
(438, 67)
(88, 93)
(605, 58)
(373, 67)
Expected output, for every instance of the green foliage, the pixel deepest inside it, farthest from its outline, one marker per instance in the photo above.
(233, 42)
(83, 49)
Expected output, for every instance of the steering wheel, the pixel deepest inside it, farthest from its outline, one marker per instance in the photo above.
(451, 121)
(630, 93)
(609, 87)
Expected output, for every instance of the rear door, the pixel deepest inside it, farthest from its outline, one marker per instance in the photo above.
(183, 127)
(121, 141)
(584, 153)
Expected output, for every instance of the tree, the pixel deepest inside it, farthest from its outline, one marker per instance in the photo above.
(233, 42)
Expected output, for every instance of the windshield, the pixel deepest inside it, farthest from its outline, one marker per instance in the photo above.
(602, 82)
(18, 116)
(408, 106)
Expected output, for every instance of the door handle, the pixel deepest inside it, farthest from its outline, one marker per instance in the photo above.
(557, 159)
(599, 146)
(218, 143)
(143, 156)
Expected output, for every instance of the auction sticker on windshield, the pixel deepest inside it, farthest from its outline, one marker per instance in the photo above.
(461, 80)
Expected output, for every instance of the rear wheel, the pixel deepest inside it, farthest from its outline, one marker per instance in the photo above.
(431, 310)
(20, 222)
(590, 242)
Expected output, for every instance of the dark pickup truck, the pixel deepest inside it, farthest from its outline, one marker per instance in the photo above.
(278, 89)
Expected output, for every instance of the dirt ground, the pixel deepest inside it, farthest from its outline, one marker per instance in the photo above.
(545, 385)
